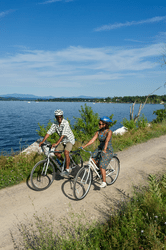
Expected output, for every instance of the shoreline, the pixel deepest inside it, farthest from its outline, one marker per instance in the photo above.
(83, 101)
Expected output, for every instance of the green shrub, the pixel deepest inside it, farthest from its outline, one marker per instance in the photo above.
(142, 122)
(129, 124)
(161, 115)
(85, 127)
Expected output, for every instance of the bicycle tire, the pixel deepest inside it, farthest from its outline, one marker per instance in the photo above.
(82, 182)
(40, 180)
(112, 170)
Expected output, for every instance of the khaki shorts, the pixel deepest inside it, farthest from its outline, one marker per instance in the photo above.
(68, 146)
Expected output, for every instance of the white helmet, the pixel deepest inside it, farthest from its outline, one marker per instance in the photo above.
(58, 112)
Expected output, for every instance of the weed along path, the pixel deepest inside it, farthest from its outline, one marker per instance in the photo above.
(19, 203)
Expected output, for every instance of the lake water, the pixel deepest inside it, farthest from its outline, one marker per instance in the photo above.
(19, 120)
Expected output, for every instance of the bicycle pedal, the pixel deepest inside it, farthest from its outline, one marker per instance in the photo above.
(97, 177)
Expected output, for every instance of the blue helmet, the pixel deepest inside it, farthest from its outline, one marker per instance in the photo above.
(106, 119)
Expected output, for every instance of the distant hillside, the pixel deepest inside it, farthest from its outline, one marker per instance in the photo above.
(34, 97)
(26, 96)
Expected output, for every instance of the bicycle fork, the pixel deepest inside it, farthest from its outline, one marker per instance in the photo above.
(84, 175)
(45, 168)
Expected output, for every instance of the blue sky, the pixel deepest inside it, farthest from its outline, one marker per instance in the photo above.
(82, 47)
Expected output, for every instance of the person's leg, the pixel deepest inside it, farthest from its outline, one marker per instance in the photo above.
(67, 159)
(103, 173)
(68, 148)
(95, 161)
(59, 156)
(59, 148)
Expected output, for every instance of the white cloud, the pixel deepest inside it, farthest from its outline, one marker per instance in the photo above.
(5, 13)
(54, 1)
(50, 1)
(135, 41)
(161, 37)
(77, 66)
(120, 25)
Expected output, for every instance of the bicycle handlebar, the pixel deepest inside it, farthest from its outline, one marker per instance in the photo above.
(48, 144)
(90, 152)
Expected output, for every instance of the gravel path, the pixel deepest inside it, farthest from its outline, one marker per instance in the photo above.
(19, 203)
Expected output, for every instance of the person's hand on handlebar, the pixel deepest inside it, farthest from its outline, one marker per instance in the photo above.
(41, 143)
(44, 139)
(54, 145)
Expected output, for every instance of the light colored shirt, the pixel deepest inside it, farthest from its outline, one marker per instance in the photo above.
(62, 129)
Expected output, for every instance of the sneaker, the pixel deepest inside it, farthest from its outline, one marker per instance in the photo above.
(65, 173)
(103, 185)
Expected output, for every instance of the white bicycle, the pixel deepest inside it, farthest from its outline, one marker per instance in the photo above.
(84, 177)
(43, 173)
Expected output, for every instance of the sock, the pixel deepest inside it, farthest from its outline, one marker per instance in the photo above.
(67, 170)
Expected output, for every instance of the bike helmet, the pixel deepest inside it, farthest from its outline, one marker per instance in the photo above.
(106, 119)
(58, 112)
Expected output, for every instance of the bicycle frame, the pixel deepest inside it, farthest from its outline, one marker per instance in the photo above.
(91, 164)
(50, 158)
(94, 167)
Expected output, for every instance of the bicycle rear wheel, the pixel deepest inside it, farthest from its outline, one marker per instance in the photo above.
(42, 175)
(82, 182)
(112, 170)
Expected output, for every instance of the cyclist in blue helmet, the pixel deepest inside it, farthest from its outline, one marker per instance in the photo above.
(104, 153)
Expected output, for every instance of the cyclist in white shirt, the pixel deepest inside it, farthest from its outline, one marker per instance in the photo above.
(66, 140)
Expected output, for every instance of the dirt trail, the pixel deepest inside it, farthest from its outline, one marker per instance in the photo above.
(19, 203)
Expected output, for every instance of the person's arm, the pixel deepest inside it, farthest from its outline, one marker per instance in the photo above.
(44, 139)
(60, 139)
(49, 132)
(91, 141)
(107, 140)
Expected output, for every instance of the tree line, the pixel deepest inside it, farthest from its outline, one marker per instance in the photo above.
(152, 99)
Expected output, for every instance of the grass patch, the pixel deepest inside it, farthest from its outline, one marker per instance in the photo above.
(15, 169)
(138, 135)
(139, 223)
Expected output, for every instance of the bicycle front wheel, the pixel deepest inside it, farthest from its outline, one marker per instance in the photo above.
(42, 175)
(112, 170)
(82, 182)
